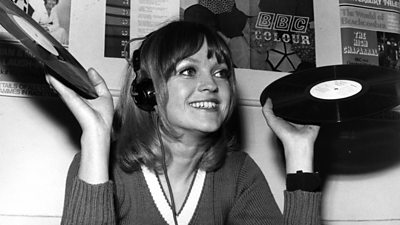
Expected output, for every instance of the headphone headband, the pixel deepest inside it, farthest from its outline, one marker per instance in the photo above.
(126, 50)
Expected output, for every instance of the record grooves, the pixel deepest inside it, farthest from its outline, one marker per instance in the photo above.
(334, 94)
(45, 48)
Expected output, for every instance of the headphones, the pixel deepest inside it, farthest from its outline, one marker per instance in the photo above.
(142, 92)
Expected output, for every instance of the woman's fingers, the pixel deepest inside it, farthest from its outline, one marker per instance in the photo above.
(291, 134)
(279, 125)
(98, 82)
(276, 124)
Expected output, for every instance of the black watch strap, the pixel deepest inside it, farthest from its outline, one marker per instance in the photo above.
(310, 182)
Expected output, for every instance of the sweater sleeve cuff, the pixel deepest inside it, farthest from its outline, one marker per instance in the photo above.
(90, 204)
(302, 207)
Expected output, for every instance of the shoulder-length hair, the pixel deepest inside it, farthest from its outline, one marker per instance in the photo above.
(136, 131)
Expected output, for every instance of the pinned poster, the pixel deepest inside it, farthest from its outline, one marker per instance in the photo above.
(370, 32)
(262, 34)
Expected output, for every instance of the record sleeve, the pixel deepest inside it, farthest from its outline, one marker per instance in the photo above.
(334, 94)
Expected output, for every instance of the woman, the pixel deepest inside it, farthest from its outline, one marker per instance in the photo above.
(173, 162)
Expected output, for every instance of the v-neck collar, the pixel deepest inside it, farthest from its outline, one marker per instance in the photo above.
(162, 204)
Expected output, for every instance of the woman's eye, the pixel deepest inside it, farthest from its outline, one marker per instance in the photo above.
(189, 72)
(224, 73)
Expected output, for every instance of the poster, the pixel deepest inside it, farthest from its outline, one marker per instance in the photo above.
(270, 35)
(20, 73)
(370, 31)
(127, 19)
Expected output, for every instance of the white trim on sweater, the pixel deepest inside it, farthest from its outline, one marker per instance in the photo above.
(162, 203)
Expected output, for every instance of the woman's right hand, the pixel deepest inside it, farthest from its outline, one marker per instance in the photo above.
(95, 118)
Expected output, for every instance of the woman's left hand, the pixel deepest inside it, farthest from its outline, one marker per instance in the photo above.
(298, 140)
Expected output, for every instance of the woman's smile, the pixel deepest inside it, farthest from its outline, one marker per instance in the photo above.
(205, 104)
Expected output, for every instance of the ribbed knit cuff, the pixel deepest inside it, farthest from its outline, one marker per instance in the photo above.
(302, 208)
(89, 204)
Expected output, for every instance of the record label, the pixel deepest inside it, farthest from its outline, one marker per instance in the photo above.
(35, 34)
(335, 89)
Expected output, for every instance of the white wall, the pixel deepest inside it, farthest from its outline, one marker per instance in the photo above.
(36, 149)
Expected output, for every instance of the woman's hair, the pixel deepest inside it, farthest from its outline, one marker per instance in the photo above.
(136, 132)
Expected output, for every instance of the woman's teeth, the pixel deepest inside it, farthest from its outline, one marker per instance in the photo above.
(204, 105)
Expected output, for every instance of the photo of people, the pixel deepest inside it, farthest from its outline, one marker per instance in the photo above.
(52, 15)
(388, 48)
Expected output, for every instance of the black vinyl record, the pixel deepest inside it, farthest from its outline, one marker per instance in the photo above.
(45, 48)
(333, 94)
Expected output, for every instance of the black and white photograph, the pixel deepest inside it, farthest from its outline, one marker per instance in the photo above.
(199, 112)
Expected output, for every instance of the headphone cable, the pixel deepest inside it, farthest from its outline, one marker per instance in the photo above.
(164, 167)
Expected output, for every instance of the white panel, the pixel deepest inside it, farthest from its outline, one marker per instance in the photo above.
(36, 149)
(363, 222)
(369, 196)
(252, 82)
(29, 220)
(327, 32)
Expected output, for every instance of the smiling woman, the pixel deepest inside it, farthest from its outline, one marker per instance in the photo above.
(175, 161)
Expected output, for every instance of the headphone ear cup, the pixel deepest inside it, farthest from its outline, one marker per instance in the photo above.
(143, 94)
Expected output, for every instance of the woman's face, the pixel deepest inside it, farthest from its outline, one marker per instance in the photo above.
(198, 94)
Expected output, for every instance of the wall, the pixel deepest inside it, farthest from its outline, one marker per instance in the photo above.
(39, 138)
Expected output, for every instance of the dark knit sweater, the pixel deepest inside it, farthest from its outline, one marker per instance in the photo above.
(237, 193)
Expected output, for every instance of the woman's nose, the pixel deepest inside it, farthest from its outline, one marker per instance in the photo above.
(207, 83)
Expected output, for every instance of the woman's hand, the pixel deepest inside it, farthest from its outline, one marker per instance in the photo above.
(95, 118)
(298, 140)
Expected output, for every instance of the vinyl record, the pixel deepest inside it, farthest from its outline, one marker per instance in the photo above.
(334, 94)
(45, 48)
